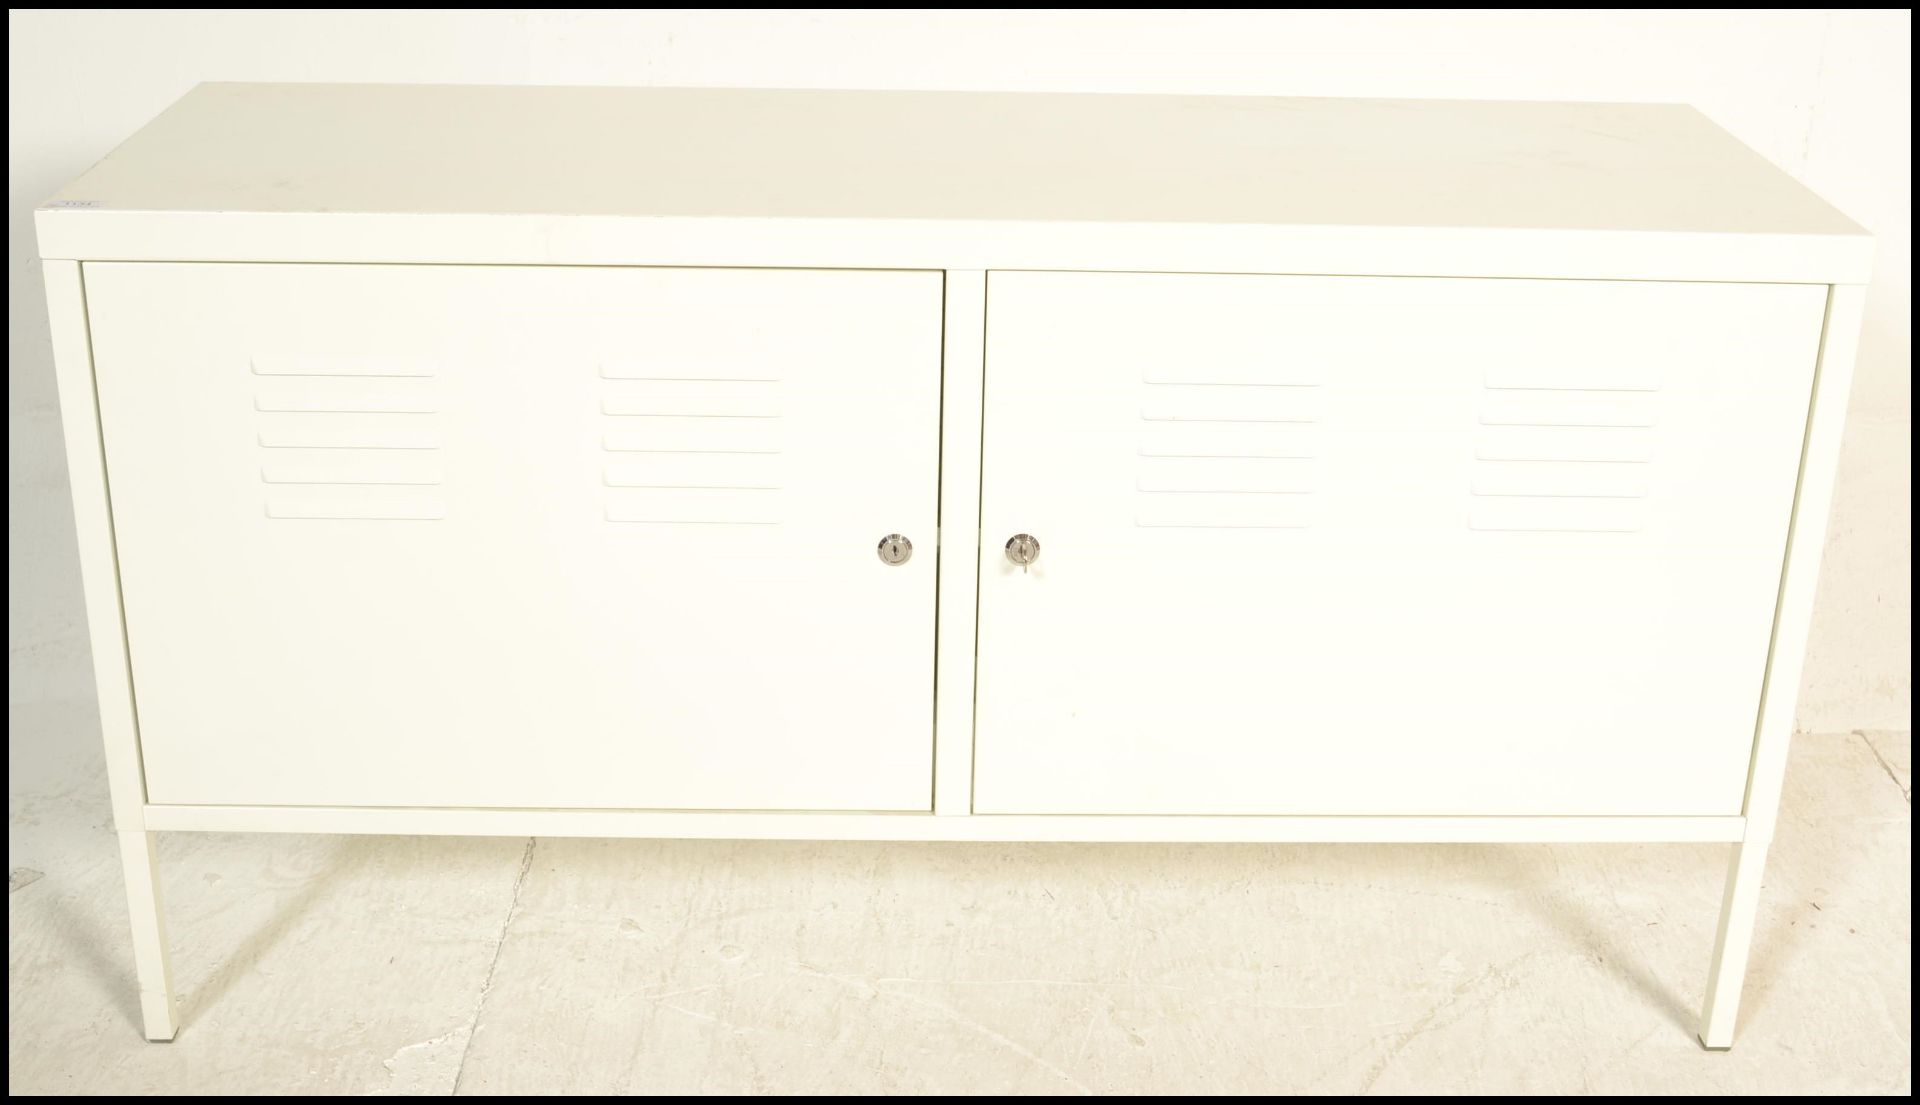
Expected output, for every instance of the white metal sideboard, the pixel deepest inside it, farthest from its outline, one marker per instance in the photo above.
(950, 466)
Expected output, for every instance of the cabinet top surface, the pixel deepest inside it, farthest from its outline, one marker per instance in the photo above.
(995, 157)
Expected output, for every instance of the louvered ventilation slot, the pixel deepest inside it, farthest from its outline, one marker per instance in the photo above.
(1559, 451)
(1228, 450)
(684, 448)
(348, 438)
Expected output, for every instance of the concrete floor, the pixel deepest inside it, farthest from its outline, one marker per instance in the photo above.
(395, 965)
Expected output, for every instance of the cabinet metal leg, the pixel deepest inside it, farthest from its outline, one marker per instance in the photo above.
(1729, 970)
(140, 861)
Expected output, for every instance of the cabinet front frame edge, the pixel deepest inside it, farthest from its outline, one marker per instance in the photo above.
(1063, 828)
(950, 244)
(91, 494)
(1807, 526)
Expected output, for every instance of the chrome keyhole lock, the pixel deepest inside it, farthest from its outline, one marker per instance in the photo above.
(895, 549)
(1023, 549)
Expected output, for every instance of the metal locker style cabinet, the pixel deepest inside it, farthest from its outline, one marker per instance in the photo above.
(947, 466)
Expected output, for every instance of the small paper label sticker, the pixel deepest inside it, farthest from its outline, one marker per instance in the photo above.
(77, 203)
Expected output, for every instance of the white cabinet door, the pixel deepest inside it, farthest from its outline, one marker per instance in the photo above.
(1382, 546)
(524, 537)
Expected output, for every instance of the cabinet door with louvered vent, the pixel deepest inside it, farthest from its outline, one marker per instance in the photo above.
(524, 537)
(1311, 545)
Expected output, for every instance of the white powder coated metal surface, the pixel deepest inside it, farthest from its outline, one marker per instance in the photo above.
(525, 537)
(942, 179)
(1553, 535)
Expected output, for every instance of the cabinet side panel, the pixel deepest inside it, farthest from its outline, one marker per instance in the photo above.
(93, 530)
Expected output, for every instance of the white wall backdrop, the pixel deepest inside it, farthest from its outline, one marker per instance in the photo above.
(1824, 94)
